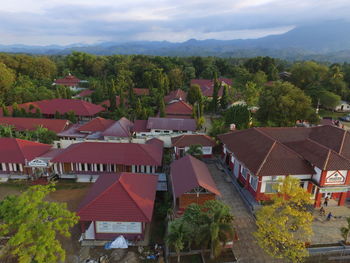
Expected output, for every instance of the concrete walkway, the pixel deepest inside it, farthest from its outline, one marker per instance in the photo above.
(246, 249)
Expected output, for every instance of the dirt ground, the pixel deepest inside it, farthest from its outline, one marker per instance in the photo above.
(71, 194)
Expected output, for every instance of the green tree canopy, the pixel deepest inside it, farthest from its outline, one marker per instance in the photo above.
(195, 150)
(328, 99)
(33, 226)
(7, 79)
(282, 104)
(218, 127)
(194, 94)
(238, 115)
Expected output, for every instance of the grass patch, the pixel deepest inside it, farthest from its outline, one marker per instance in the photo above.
(333, 114)
(67, 185)
(21, 185)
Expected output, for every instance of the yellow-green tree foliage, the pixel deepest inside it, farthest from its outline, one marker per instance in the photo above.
(33, 226)
(284, 227)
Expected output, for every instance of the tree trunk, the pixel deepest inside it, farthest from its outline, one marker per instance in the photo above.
(212, 256)
(178, 257)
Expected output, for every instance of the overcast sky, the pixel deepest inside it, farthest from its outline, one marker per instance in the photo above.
(43, 22)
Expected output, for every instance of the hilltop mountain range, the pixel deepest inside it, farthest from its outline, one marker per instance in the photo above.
(329, 41)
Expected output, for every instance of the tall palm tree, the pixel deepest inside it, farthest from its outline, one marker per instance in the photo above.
(195, 150)
(217, 228)
(176, 237)
(345, 231)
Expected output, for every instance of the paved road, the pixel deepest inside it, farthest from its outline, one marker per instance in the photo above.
(246, 248)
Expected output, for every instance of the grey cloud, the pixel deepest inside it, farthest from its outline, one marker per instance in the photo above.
(102, 22)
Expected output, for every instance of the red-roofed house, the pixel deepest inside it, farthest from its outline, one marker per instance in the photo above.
(207, 86)
(163, 126)
(118, 204)
(16, 156)
(118, 130)
(95, 158)
(85, 95)
(182, 144)
(30, 124)
(97, 124)
(318, 156)
(69, 81)
(83, 110)
(191, 182)
(175, 95)
(178, 109)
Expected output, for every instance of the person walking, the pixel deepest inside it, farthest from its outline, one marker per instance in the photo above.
(325, 203)
(322, 211)
(329, 216)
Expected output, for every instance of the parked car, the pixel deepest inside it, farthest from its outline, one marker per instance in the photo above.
(345, 118)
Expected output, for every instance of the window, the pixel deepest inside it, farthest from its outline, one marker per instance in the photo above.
(269, 187)
(253, 180)
(244, 172)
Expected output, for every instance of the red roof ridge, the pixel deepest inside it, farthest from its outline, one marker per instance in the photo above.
(342, 142)
(122, 126)
(186, 104)
(146, 151)
(20, 149)
(135, 201)
(329, 151)
(265, 159)
(282, 144)
(181, 137)
(193, 166)
(327, 159)
(101, 194)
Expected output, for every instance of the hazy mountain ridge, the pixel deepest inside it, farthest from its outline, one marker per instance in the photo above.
(326, 41)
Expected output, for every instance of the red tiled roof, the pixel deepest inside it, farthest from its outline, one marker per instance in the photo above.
(140, 126)
(192, 139)
(178, 108)
(171, 124)
(22, 124)
(188, 173)
(124, 197)
(207, 85)
(178, 94)
(327, 147)
(140, 92)
(19, 151)
(111, 153)
(49, 107)
(85, 93)
(95, 125)
(121, 128)
(262, 155)
(72, 132)
(69, 80)
(319, 155)
(155, 141)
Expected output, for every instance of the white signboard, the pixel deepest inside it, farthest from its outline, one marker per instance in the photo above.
(118, 227)
(335, 178)
(37, 163)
